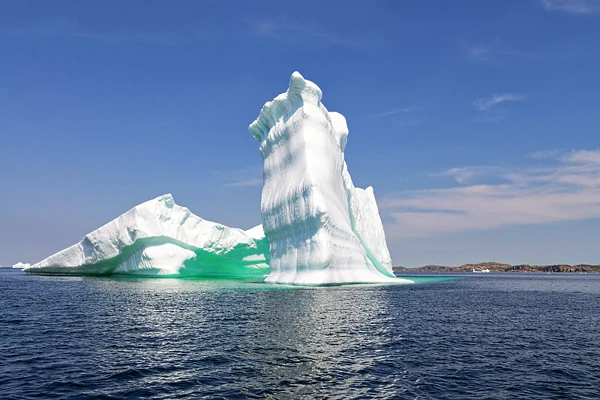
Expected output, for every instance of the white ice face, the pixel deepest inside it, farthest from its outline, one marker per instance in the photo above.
(160, 238)
(321, 229)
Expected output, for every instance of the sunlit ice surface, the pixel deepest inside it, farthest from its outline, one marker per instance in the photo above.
(320, 227)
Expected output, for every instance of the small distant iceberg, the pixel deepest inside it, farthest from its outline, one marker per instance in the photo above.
(161, 238)
(21, 265)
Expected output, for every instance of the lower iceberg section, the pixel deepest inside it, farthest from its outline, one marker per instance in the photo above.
(321, 229)
(160, 238)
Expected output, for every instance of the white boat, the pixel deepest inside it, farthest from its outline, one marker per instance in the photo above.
(482, 271)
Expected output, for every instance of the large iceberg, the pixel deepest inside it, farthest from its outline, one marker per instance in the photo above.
(320, 227)
(160, 238)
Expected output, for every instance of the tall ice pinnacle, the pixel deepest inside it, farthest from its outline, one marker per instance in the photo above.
(321, 229)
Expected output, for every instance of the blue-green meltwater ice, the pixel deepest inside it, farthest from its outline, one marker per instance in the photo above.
(161, 238)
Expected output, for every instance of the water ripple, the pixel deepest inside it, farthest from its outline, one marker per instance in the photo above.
(484, 337)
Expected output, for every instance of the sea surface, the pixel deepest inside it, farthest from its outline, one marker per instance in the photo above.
(480, 336)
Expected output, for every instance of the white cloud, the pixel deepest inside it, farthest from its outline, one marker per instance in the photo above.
(283, 30)
(407, 122)
(545, 154)
(567, 191)
(465, 175)
(67, 27)
(394, 111)
(491, 51)
(483, 104)
(496, 52)
(583, 157)
(245, 183)
(573, 6)
(250, 176)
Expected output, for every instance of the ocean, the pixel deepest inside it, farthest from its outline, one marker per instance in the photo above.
(472, 336)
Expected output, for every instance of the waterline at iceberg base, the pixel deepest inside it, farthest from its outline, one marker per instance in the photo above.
(317, 227)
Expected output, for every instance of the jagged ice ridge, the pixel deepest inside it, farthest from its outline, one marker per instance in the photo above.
(160, 238)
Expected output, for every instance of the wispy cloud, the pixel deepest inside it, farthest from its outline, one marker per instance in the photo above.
(498, 53)
(161, 38)
(545, 154)
(283, 30)
(486, 103)
(591, 157)
(250, 176)
(465, 175)
(567, 191)
(573, 6)
(245, 183)
(394, 111)
(69, 28)
(489, 51)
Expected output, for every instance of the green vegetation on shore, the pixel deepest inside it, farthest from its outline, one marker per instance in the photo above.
(499, 267)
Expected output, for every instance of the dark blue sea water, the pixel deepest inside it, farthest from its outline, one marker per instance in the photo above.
(505, 336)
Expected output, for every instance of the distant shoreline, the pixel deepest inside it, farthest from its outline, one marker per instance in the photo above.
(499, 267)
(484, 267)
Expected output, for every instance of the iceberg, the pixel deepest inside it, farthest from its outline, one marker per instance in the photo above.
(161, 238)
(21, 265)
(317, 227)
(320, 227)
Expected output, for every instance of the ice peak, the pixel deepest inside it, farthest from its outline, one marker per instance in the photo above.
(299, 92)
(167, 199)
(307, 90)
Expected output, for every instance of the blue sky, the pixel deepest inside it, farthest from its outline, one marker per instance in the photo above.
(476, 122)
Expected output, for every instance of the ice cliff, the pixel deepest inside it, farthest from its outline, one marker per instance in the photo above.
(160, 238)
(321, 229)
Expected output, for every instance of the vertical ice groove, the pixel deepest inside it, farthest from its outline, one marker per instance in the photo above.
(320, 228)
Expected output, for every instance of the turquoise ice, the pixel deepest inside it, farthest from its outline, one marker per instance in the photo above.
(161, 238)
